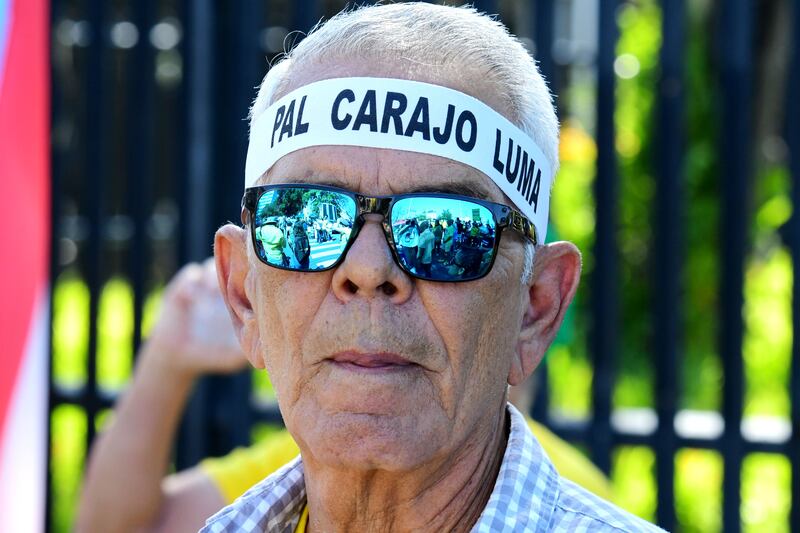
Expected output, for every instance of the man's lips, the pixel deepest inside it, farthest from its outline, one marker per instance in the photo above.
(370, 360)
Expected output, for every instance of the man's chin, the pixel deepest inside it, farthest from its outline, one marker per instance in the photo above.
(393, 391)
(367, 441)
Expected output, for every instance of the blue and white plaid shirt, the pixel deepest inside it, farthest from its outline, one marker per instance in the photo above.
(528, 495)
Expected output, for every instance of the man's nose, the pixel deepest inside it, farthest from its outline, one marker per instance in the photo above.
(369, 270)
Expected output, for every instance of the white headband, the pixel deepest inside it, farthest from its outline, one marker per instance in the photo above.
(410, 116)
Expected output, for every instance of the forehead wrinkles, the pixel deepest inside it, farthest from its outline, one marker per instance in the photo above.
(342, 166)
(440, 174)
(375, 171)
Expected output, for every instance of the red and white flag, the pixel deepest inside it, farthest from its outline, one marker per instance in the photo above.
(25, 226)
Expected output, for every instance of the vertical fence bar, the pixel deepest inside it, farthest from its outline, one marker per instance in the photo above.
(793, 141)
(668, 253)
(486, 6)
(543, 37)
(139, 153)
(201, 65)
(736, 82)
(604, 279)
(243, 69)
(55, 220)
(305, 13)
(543, 26)
(95, 153)
(200, 61)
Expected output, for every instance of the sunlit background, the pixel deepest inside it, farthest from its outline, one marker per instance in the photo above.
(149, 139)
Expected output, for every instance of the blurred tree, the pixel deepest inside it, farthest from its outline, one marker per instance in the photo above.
(637, 69)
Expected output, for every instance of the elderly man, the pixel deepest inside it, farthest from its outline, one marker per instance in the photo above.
(393, 381)
(193, 337)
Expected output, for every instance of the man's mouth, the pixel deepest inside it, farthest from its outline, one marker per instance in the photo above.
(383, 360)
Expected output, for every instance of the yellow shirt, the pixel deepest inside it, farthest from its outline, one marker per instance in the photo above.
(303, 523)
(236, 472)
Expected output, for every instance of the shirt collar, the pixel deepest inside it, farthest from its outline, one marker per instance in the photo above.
(526, 489)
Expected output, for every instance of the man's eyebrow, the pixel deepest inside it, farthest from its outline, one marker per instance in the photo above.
(472, 190)
(317, 179)
(463, 188)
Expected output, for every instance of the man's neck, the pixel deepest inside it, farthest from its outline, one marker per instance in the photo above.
(449, 496)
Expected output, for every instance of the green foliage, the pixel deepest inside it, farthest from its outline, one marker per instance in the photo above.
(702, 372)
(768, 343)
(633, 478)
(69, 449)
(262, 431)
(343, 203)
(698, 490)
(639, 44)
(572, 214)
(292, 202)
(766, 493)
(262, 387)
(570, 378)
(70, 329)
(768, 273)
(115, 334)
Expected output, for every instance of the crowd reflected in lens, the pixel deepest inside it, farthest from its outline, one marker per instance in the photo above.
(443, 239)
(303, 229)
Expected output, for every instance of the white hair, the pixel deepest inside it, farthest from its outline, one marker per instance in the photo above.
(527, 263)
(435, 36)
(438, 37)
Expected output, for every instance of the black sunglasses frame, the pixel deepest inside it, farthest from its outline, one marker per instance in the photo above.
(504, 217)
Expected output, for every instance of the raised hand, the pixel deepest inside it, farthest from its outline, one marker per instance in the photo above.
(193, 334)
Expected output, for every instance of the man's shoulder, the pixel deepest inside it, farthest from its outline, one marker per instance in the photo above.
(274, 504)
(577, 509)
(530, 494)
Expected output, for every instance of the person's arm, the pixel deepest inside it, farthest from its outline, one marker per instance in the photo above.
(125, 489)
(190, 497)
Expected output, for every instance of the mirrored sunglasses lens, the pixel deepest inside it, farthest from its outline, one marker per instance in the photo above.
(443, 239)
(302, 229)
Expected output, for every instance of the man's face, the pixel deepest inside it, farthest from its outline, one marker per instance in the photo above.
(374, 369)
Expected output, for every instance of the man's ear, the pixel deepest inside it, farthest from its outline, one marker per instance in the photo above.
(230, 255)
(556, 273)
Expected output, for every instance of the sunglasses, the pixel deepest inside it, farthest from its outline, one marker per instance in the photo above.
(432, 236)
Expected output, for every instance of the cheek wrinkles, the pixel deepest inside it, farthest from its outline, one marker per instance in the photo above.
(289, 307)
(452, 311)
(477, 336)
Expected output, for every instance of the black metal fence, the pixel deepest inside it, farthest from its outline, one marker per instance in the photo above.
(149, 140)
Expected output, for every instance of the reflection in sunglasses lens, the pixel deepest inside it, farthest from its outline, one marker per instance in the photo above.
(443, 239)
(302, 229)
